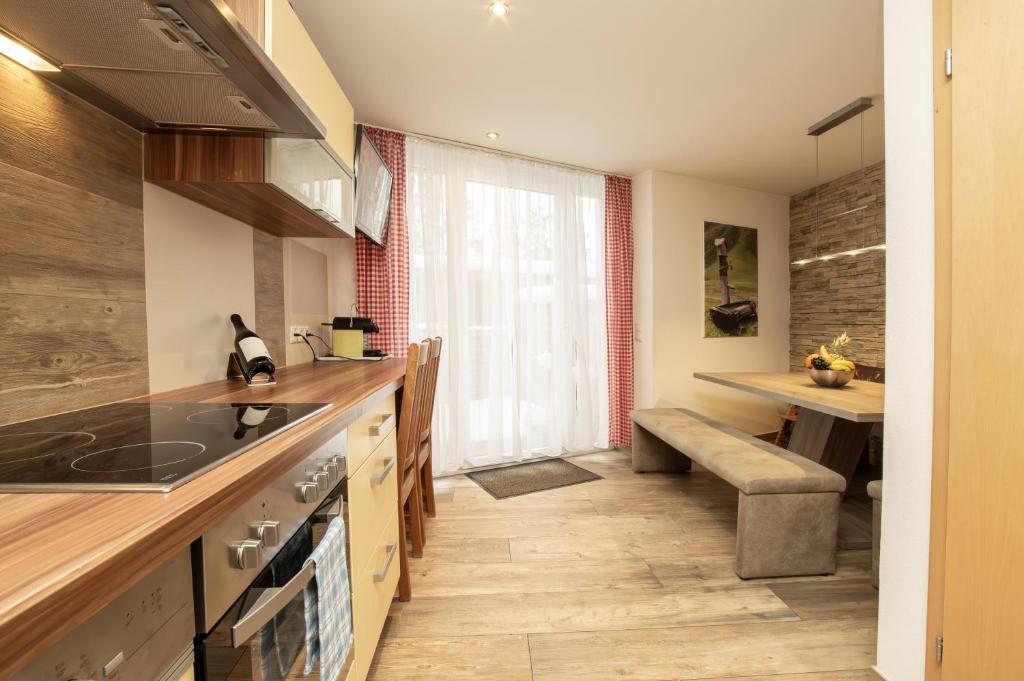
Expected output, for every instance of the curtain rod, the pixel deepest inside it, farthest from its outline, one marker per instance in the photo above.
(499, 152)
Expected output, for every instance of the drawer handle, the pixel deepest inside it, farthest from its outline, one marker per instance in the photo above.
(383, 427)
(383, 475)
(380, 575)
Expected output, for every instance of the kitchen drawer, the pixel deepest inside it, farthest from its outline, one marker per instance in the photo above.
(372, 501)
(369, 430)
(372, 597)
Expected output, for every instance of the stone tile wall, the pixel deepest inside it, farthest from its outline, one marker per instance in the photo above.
(847, 293)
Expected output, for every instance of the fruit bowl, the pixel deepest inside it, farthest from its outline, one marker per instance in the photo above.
(827, 378)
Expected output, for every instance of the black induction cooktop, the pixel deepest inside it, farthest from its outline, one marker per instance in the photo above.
(135, 447)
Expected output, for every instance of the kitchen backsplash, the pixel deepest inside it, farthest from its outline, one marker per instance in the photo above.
(848, 293)
(72, 280)
(112, 289)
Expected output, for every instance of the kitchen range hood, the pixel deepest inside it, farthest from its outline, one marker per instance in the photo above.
(160, 65)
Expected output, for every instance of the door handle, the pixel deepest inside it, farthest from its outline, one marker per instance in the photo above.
(382, 476)
(381, 574)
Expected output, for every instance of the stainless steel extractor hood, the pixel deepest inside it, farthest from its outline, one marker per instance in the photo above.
(161, 65)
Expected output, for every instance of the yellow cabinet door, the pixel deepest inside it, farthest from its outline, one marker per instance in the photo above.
(372, 501)
(294, 53)
(372, 595)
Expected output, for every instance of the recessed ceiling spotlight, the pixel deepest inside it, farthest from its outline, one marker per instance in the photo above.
(499, 8)
(493, 135)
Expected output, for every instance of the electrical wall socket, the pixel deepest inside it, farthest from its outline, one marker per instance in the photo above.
(300, 330)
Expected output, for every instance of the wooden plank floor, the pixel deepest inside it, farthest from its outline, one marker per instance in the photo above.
(627, 577)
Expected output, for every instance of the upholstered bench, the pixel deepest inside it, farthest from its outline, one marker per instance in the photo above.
(788, 518)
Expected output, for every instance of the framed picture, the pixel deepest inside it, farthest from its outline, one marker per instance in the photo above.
(730, 280)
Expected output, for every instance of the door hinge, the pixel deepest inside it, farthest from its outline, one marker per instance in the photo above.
(938, 649)
(949, 62)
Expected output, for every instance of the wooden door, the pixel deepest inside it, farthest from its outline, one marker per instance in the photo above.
(983, 590)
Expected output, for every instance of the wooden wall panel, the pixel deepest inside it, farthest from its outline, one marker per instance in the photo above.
(49, 132)
(59, 240)
(72, 284)
(268, 265)
(63, 353)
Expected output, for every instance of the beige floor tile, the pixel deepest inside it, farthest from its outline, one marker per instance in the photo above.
(717, 570)
(629, 577)
(474, 658)
(831, 599)
(705, 652)
(605, 609)
(458, 579)
(480, 550)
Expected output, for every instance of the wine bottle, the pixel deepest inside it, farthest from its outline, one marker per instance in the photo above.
(253, 356)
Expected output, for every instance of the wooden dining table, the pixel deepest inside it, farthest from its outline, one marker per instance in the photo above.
(833, 424)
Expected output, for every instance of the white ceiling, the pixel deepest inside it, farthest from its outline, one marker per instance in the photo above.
(718, 89)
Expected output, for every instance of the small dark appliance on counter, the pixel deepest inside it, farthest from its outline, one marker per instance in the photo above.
(348, 340)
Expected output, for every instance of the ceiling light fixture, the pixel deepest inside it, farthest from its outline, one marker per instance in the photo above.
(493, 135)
(499, 8)
(24, 56)
(854, 108)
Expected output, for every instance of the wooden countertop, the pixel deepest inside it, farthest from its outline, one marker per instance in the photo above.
(858, 401)
(64, 556)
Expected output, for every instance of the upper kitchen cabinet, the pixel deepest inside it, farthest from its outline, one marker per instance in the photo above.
(282, 185)
(294, 54)
(285, 185)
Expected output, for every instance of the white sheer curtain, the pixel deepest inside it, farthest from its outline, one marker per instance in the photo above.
(507, 266)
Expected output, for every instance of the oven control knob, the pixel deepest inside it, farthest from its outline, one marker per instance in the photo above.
(332, 469)
(266, 532)
(245, 554)
(322, 481)
(308, 492)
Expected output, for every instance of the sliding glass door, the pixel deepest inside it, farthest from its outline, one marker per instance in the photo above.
(507, 264)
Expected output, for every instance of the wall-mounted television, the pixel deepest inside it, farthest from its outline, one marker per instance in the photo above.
(373, 189)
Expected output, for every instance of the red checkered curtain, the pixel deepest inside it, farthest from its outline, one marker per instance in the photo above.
(382, 274)
(618, 260)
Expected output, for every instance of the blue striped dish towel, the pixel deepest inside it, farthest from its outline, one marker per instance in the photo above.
(328, 600)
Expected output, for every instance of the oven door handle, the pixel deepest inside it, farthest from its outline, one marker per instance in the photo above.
(269, 604)
(326, 515)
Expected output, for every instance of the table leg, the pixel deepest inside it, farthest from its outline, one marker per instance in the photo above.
(829, 440)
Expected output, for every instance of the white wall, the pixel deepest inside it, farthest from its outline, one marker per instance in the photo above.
(199, 270)
(909, 347)
(643, 290)
(669, 299)
(319, 284)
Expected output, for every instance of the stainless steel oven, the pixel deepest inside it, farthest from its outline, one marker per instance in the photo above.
(250, 573)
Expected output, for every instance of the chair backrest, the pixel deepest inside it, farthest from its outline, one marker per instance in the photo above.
(412, 403)
(863, 372)
(430, 386)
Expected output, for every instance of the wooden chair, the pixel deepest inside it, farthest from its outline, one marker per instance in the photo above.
(425, 448)
(409, 495)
